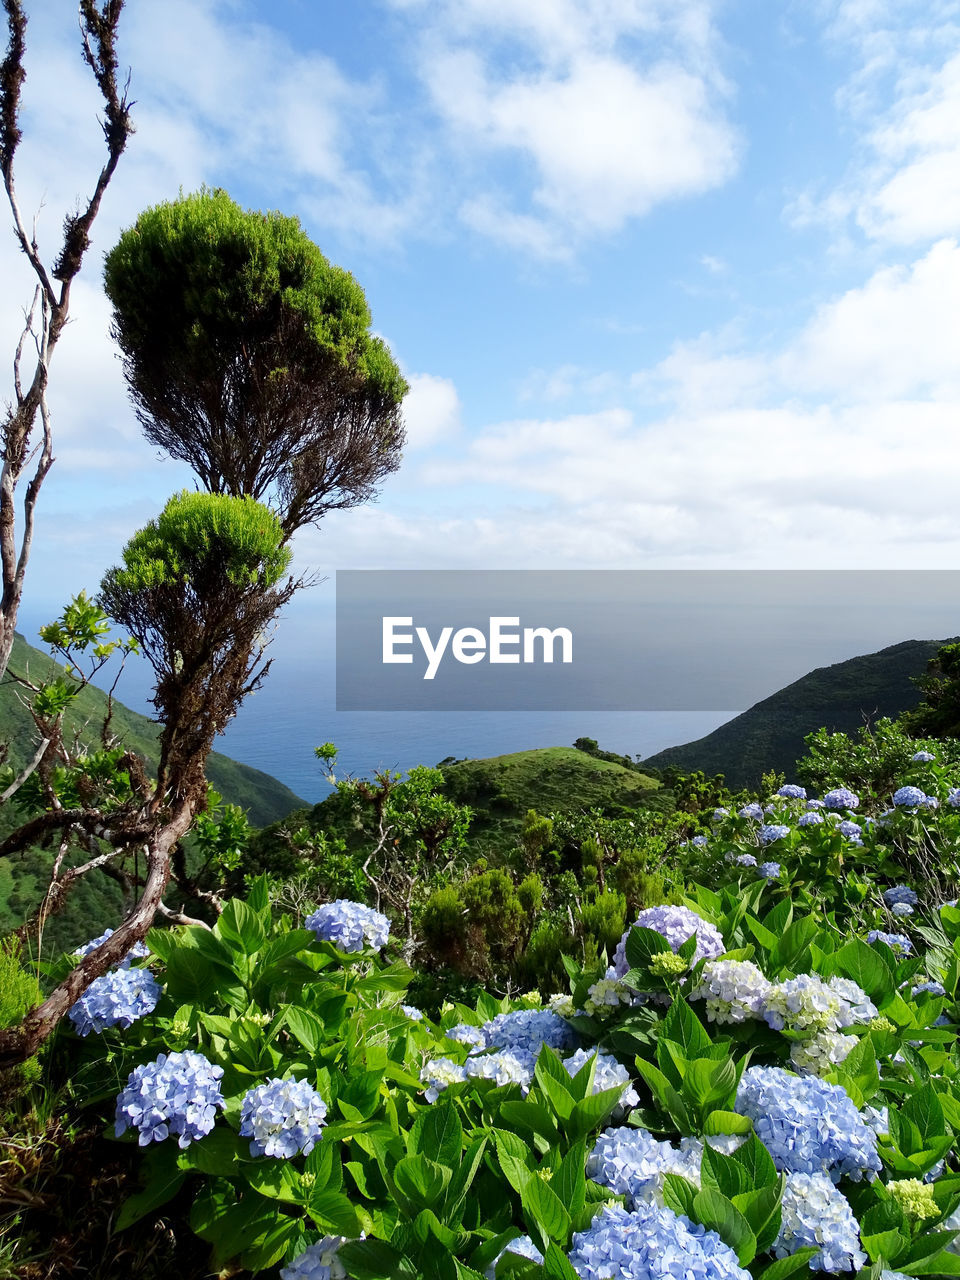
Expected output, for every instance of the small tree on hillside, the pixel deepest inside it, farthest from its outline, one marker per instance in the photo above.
(249, 357)
(46, 318)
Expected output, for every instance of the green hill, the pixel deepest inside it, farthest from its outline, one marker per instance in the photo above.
(769, 736)
(501, 789)
(264, 798)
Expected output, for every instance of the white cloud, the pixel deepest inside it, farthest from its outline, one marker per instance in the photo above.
(611, 106)
(431, 410)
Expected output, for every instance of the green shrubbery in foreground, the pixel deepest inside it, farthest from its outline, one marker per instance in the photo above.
(763, 1082)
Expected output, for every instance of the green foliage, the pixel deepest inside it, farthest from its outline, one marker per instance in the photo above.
(938, 715)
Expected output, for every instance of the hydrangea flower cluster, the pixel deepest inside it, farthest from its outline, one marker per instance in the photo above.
(841, 798)
(139, 950)
(915, 1198)
(923, 757)
(608, 993)
(772, 831)
(317, 1262)
(809, 1005)
(117, 999)
(908, 797)
(811, 819)
(747, 859)
(609, 1074)
(790, 791)
(814, 1212)
(900, 893)
(282, 1117)
(753, 810)
(649, 1243)
(897, 942)
(676, 924)
(464, 1033)
(734, 990)
(351, 926)
(632, 1163)
(931, 988)
(769, 870)
(850, 831)
(505, 1066)
(527, 1030)
(808, 1125)
(412, 1012)
(819, 1055)
(179, 1093)
(438, 1074)
(901, 910)
(523, 1247)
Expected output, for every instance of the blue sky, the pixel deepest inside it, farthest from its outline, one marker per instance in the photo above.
(676, 283)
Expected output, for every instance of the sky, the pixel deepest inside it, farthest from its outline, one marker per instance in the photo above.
(675, 283)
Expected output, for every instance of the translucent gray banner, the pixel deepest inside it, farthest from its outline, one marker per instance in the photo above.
(616, 640)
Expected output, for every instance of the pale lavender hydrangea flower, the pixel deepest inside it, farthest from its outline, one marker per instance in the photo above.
(816, 1213)
(815, 804)
(676, 925)
(850, 830)
(754, 811)
(317, 1262)
(282, 1117)
(608, 1074)
(117, 999)
(466, 1034)
(790, 791)
(769, 870)
(632, 1163)
(841, 798)
(139, 950)
(923, 757)
(745, 860)
(897, 942)
(651, 1243)
(735, 990)
(351, 926)
(810, 819)
(908, 798)
(772, 832)
(438, 1073)
(178, 1093)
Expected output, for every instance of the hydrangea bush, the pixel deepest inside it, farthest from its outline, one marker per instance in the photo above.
(757, 1085)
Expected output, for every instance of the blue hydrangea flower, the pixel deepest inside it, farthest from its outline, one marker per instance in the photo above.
(897, 942)
(930, 802)
(282, 1117)
(438, 1073)
(810, 819)
(117, 999)
(699, 841)
(908, 798)
(932, 988)
(922, 757)
(317, 1262)
(651, 1243)
(841, 798)
(808, 1125)
(773, 831)
(412, 1012)
(721, 813)
(953, 798)
(608, 1074)
(523, 1247)
(790, 791)
(138, 951)
(901, 909)
(814, 804)
(179, 1093)
(816, 1213)
(676, 924)
(850, 830)
(769, 870)
(504, 1066)
(745, 860)
(528, 1030)
(754, 811)
(632, 1163)
(463, 1033)
(351, 926)
(900, 893)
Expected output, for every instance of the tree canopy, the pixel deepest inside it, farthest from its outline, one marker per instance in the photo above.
(249, 356)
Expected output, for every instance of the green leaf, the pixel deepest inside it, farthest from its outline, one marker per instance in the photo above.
(682, 1026)
(865, 965)
(240, 925)
(722, 1173)
(375, 1260)
(756, 1160)
(761, 1208)
(717, 1213)
(305, 1027)
(726, 1122)
(421, 1180)
(438, 1133)
(159, 1191)
(642, 945)
(785, 1267)
(557, 1265)
(709, 1083)
(532, 1117)
(513, 1157)
(569, 1181)
(544, 1209)
(590, 1113)
(679, 1194)
(792, 944)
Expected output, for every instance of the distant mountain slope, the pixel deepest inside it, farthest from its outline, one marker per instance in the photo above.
(264, 797)
(770, 734)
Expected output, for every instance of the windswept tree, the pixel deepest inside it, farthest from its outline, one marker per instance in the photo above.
(24, 452)
(197, 589)
(250, 357)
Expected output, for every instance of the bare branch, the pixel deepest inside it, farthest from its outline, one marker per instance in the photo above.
(15, 786)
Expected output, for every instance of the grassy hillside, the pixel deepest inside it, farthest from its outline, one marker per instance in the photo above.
(769, 736)
(501, 789)
(264, 798)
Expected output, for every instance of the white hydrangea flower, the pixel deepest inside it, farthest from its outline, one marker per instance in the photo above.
(734, 990)
(821, 1053)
